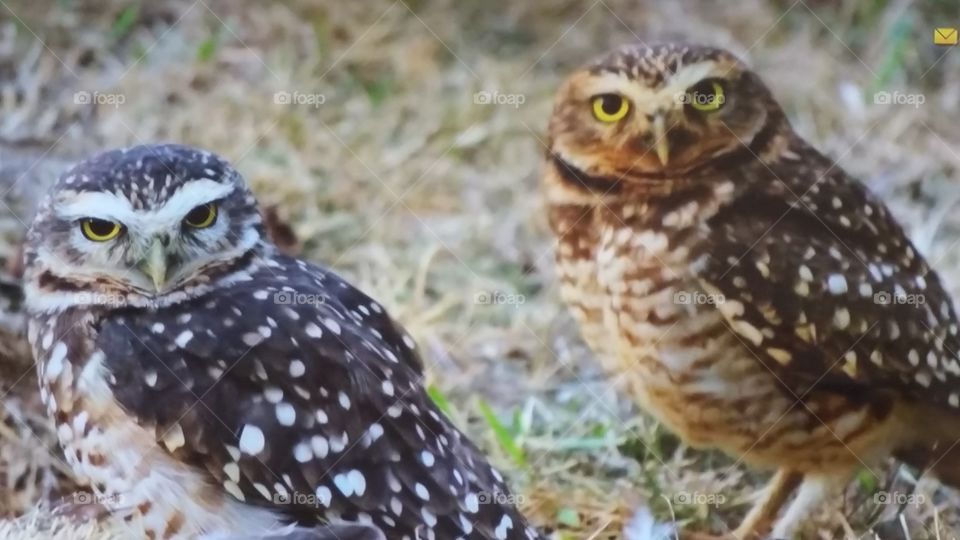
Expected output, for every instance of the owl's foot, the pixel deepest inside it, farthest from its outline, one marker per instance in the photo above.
(759, 521)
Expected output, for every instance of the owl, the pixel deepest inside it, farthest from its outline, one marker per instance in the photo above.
(746, 291)
(205, 385)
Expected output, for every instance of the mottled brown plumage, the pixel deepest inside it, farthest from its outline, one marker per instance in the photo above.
(752, 296)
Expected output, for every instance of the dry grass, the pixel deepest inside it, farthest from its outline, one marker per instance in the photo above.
(425, 199)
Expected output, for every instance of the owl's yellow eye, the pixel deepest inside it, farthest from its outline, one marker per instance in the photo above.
(100, 230)
(202, 216)
(706, 96)
(610, 108)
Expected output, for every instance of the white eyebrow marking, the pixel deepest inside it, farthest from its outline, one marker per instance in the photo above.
(102, 205)
(105, 205)
(190, 196)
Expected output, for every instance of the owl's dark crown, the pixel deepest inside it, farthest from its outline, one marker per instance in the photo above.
(657, 62)
(147, 175)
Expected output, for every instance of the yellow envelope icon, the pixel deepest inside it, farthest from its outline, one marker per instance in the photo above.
(945, 36)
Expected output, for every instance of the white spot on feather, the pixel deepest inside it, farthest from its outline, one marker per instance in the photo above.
(251, 440)
(351, 483)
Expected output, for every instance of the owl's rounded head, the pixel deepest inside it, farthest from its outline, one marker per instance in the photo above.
(644, 112)
(140, 226)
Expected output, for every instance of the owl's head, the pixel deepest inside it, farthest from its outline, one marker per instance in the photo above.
(140, 226)
(653, 111)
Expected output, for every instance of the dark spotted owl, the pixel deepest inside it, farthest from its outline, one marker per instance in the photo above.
(203, 384)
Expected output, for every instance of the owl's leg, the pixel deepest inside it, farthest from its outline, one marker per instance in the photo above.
(812, 493)
(763, 514)
(761, 517)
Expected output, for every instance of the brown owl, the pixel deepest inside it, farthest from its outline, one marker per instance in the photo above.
(753, 296)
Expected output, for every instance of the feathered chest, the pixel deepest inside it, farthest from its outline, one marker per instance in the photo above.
(636, 281)
(111, 451)
(630, 274)
(69, 367)
(630, 266)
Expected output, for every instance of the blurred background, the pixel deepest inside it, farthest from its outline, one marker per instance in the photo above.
(399, 142)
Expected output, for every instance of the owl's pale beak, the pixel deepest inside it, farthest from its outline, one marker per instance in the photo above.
(661, 144)
(155, 265)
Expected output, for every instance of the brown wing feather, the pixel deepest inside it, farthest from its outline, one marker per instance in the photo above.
(825, 288)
